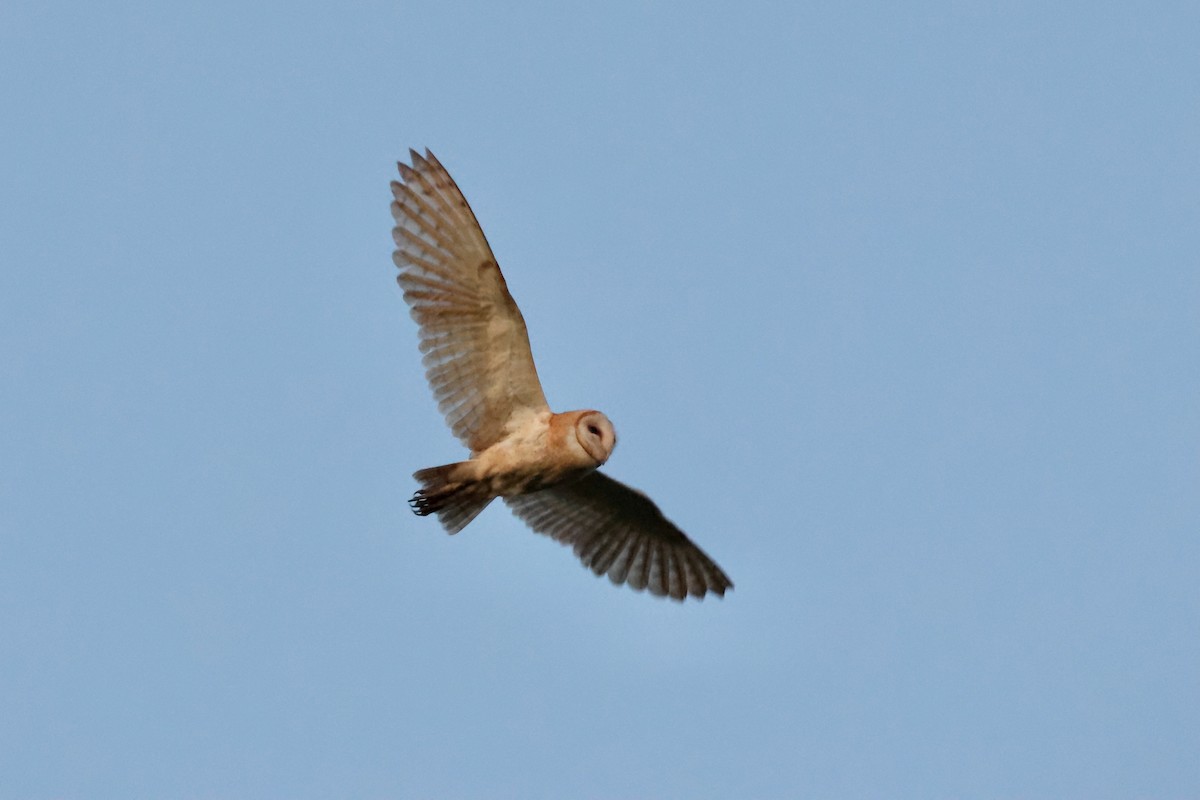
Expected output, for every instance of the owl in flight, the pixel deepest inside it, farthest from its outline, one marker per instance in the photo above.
(479, 365)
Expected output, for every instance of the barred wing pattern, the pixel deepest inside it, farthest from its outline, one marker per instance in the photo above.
(618, 531)
(477, 357)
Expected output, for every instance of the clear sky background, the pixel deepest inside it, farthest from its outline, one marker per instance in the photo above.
(895, 307)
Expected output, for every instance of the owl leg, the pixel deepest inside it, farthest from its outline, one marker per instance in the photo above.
(455, 500)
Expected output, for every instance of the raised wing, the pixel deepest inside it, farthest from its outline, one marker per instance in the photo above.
(618, 531)
(477, 356)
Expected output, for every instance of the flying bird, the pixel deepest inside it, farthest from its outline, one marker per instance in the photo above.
(480, 368)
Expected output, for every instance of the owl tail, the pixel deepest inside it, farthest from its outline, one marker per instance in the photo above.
(447, 492)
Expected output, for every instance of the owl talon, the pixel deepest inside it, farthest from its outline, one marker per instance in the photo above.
(421, 504)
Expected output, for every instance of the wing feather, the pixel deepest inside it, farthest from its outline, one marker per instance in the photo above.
(676, 586)
(616, 530)
(476, 348)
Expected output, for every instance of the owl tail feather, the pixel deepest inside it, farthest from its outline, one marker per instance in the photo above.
(447, 492)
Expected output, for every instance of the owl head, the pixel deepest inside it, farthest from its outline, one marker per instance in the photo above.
(595, 435)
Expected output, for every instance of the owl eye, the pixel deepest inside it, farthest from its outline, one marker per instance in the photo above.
(592, 429)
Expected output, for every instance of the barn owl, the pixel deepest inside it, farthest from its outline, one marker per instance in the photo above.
(480, 367)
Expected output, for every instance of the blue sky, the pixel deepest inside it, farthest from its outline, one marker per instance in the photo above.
(895, 307)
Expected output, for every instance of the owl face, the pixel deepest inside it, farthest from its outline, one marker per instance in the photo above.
(595, 435)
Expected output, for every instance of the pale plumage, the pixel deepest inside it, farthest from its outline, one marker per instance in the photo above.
(479, 365)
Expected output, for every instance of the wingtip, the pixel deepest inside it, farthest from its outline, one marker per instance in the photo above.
(418, 161)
